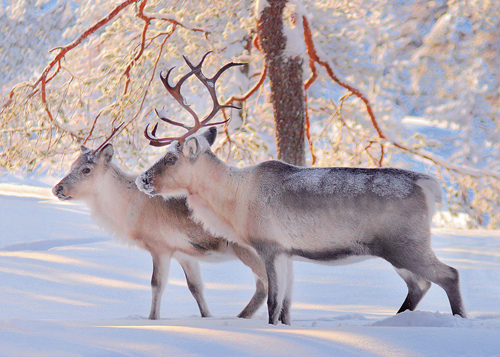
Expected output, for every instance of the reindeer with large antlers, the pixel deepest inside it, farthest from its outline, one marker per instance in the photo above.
(330, 215)
(162, 227)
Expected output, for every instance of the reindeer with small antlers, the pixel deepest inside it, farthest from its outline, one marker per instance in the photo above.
(162, 227)
(333, 215)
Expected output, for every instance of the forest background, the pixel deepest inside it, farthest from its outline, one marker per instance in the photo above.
(410, 84)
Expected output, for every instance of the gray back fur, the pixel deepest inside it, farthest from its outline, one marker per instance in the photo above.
(325, 212)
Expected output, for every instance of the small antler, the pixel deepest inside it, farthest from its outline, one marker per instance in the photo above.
(108, 139)
(175, 91)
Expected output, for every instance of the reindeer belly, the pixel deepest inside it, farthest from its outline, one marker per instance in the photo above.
(208, 256)
(327, 258)
(331, 249)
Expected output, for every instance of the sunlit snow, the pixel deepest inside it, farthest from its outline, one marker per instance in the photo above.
(67, 289)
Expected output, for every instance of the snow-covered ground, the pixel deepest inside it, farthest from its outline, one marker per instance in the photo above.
(67, 289)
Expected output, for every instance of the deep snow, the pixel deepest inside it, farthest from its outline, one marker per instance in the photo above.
(67, 289)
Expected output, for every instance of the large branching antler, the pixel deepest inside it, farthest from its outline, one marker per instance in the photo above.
(175, 91)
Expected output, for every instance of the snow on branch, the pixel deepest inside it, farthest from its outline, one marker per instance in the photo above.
(316, 55)
(65, 49)
(438, 160)
(252, 90)
(172, 20)
(43, 80)
(54, 66)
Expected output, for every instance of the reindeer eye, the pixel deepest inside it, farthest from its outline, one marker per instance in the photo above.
(170, 160)
(86, 171)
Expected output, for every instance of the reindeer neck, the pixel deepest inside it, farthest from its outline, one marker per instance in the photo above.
(113, 198)
(212, 180)
(217, 194)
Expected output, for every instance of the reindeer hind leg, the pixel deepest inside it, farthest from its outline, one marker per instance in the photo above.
(417, 288)
(428, 267)
(448, 278)
(276, 268)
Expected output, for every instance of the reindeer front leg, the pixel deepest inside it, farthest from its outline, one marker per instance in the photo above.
(287, 300)
(161, 267)
(277, 266)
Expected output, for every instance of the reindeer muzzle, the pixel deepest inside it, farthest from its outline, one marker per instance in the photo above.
(144, 184)
(58, 191)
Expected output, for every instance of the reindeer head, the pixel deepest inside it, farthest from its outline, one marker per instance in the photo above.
(86, 172)
(173, 173)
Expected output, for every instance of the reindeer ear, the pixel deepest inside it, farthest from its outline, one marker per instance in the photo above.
(106, 153)
(210, 135)
(84, 149)
(191, 148)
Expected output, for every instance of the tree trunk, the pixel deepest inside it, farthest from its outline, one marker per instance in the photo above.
(287, 87)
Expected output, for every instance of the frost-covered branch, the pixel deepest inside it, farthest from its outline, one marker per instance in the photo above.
(65, 49)
(43, 79)
(107, 70)
(251, 91)
(54, 66)
(318, 56)
(438, 160)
